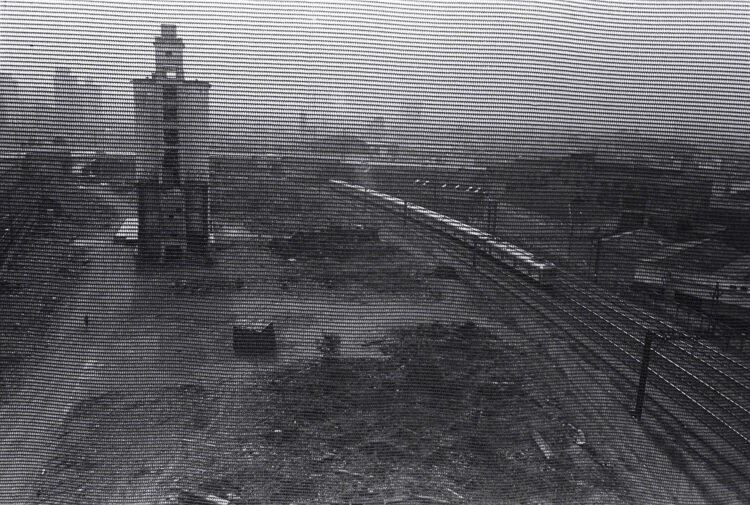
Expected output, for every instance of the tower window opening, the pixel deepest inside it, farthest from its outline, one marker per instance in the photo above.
(171, 136)
(170, 93)
(171, 169)
(170, 112)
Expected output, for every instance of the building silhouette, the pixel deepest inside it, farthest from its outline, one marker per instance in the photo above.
(171, 127)
(9, 112)
(77, 112)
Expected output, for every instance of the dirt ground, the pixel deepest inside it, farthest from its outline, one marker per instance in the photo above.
(40, 274)
(435, 393)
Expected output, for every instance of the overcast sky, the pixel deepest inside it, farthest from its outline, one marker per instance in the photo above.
(670, 65)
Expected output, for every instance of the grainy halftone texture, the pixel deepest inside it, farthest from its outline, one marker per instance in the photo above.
(374, 252)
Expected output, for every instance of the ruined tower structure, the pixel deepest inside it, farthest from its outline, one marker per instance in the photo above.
(172, 125)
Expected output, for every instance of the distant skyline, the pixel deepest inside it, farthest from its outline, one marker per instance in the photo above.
(660, 66)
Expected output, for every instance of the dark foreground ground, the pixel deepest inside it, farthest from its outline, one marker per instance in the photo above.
(390, 384)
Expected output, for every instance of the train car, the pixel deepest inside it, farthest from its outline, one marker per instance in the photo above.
(524, 262)
(128, 232)
(542, 271)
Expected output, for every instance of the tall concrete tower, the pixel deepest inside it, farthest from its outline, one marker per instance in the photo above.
(171, 123)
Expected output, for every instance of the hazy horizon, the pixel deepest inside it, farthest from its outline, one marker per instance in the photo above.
(668, 68)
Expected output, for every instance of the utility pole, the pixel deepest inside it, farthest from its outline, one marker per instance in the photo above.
(641, 396)
(598, 255)
(714, 301)
(474, 254)
(492, 217)
(570, 234)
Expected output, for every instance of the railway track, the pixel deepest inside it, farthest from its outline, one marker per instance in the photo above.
(687, 375)
(675, 335)
(718, 330)
(714, 384)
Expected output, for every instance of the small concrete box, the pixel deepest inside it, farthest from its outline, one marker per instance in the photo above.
(251, 336)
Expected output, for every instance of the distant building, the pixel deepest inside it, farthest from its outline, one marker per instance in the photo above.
(408, 124)
(730, 195)
(9, 112)
(172, 125)
(306, 128)
(77, 114)
(375, 131)
(706, 274)
(621, 254)
(659, 188)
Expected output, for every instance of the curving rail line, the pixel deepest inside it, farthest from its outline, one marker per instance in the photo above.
(698, 393)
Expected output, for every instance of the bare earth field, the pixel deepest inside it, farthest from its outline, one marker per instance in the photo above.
(434, 394)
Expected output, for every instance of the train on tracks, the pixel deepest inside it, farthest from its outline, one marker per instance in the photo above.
(539, 270)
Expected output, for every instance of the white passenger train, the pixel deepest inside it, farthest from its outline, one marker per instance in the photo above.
(541, 271)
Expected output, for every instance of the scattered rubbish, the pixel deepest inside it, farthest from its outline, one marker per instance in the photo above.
(540, 442)
(330, 347)
(347, 472)
(580, 437)
(325, 241)
(396, 499)
(328, 456)
(430, 499)
(454, 493)
(196, 498)
(445, 272)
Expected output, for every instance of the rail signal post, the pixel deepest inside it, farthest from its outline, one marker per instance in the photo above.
(641, 396)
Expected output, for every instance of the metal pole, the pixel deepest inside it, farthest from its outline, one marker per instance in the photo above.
(641, 396)
(494, 217)
(489, 217)
(712, 321)
(596, 259)
(570, 234)
(474, 254)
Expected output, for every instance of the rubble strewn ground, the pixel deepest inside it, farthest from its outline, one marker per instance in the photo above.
(447, 416)
(450, 414)
(423, 391)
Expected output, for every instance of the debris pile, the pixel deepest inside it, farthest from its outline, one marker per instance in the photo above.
(330, 241)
